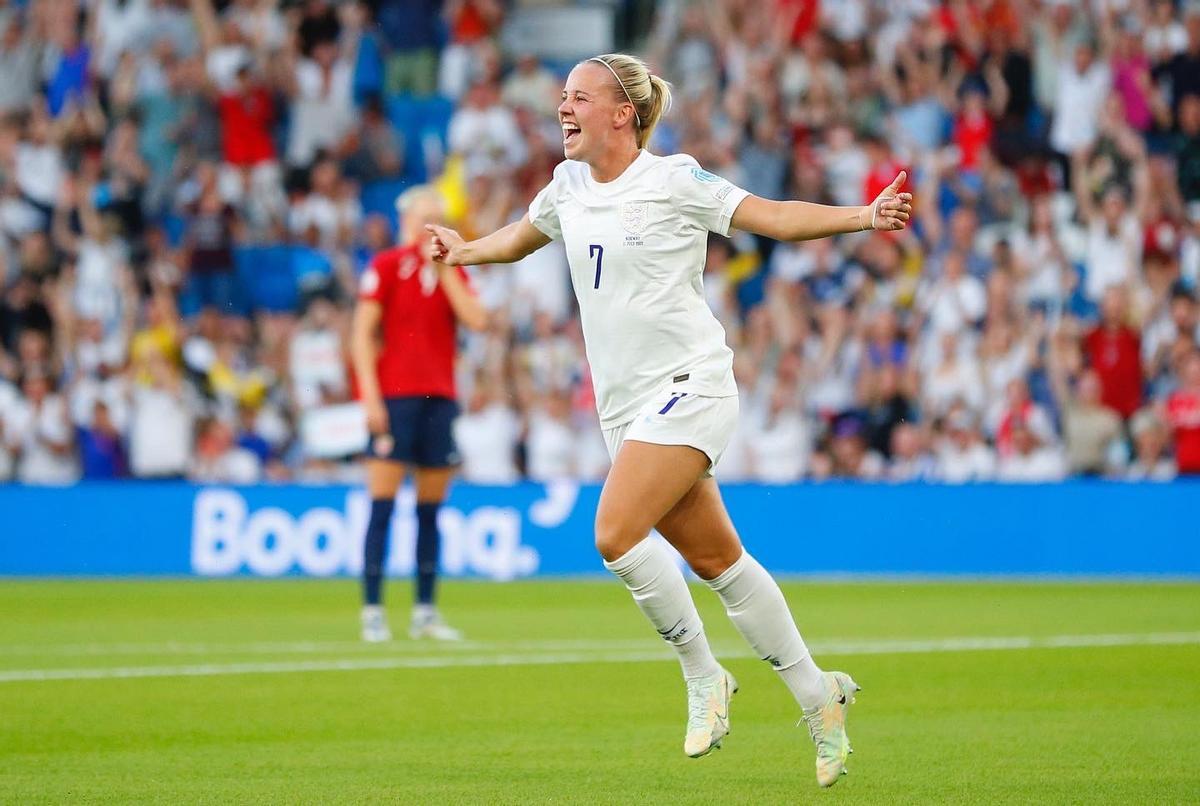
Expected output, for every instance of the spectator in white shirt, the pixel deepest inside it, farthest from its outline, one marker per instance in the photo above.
(1040, 259)
(909, 460)
(323, 111)
(1114, 246)
(1035, 458)
(316, 359)
(1152, 459)
(962, 455)
(956, 300)
(954, 378)
(485, 133)
(39, 427)
(160, 429)
(486, 435)
(8, 447)
(326, 208)
(218, 460)
(550, 443)
(1083, 85)
(37, 167)
(1165, 35)
(781, 443)
(531, 86)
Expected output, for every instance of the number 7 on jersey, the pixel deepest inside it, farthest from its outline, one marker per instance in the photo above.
(597, 251)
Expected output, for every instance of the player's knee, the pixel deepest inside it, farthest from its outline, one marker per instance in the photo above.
(709, 565)
(614, 536)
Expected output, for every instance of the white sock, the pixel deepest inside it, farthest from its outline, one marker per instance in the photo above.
(757, 608)
(662, 594)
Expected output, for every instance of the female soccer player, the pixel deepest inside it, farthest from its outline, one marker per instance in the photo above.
(407, 389)
(635, 227)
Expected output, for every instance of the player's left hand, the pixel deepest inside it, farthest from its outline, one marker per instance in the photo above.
(891, 209)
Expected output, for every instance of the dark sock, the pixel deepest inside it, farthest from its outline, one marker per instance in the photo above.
(375, 549)
(428, 545)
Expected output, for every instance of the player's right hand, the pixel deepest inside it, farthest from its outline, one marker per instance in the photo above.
(377, 417)
(446, 245)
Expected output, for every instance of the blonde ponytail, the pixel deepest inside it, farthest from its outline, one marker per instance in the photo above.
(660, 103)
(649, 94)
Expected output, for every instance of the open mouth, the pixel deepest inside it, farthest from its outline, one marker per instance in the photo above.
(570, 132)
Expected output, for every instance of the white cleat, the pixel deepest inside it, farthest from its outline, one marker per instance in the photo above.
(427, 623)
(374, 625)
(708, 713)
(827, 727)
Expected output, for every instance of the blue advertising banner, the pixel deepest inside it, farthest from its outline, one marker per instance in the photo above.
(1077, 528)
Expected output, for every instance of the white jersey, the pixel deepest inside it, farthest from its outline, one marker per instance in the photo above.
(636, 247)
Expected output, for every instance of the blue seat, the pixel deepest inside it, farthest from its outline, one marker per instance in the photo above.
(380, 197)
(267, 275)
(368, 69)
(418, 119)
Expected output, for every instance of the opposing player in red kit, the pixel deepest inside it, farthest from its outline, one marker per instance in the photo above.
(406, 384)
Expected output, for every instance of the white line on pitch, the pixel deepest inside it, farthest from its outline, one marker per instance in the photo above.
(301, 647)
(886, 647)
(342, 665)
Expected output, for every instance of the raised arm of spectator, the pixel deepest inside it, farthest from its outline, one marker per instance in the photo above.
(1141, 175)
(62, 312)
(1084, 203)
(207, 27)
(1058, 371)
(89, 218)
(353, 17)
(998, 92)
(127, 285)
(805, 221)
(60, 225)
(506, 245)
(949, 85)
(1106, 30)
(833, 335)
(889, 84)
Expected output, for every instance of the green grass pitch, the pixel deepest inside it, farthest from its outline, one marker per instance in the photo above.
(252, 691)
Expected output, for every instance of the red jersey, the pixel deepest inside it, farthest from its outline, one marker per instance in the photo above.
(972, 135)
(880, 176)
(801, 15)
(1116, 355)
(246, 127)
(1183, 411)
(419, 326)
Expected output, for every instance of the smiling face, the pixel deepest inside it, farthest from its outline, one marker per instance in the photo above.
(591, 115)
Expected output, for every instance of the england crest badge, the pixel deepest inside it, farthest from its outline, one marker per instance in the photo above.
(634, 216)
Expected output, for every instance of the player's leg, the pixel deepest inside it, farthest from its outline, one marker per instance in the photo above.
(435, 455)
(646, 481)
(432, 484)
(384, 477)
(700, 528)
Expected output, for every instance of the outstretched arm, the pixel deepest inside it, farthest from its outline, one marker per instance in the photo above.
(804, 221)
(506, 245)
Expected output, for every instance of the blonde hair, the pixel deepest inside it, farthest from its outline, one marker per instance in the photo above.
(649, 94)
(406, 200)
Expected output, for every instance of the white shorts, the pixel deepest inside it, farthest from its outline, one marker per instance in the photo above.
(680, 418)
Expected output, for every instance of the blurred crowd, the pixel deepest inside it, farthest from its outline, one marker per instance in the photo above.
(188, 192)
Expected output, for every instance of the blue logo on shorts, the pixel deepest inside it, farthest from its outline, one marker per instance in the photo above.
(705, 176)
